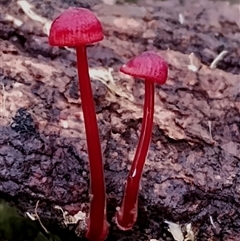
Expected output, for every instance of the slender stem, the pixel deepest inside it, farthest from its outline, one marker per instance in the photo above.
(97, 223)
(127, 215)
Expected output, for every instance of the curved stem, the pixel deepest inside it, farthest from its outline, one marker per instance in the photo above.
(97, 223)
(127, 215)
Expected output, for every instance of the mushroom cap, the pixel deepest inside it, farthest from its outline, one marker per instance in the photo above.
(149, 66)
(74, 27)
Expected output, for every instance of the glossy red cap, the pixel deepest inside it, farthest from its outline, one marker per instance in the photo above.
(74, 27)
(148, 66)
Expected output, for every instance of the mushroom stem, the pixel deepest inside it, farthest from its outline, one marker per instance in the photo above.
(127, 214)
(97, 222)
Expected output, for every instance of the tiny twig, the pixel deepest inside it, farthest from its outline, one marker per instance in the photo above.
(26, 7)
(219, 57)
(210, 129)
(194, 65)
(211, 221)
(38, 218)
(181, 18)
(105, 76)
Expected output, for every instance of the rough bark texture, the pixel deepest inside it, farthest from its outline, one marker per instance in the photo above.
(193, 168)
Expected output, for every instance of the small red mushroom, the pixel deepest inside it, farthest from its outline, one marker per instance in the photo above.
(153, 69)
(78, 27)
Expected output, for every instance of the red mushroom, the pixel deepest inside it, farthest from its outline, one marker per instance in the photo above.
(78, 27)
(153, 69)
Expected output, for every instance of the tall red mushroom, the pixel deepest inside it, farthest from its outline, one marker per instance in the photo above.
(78, 27)
(153, 69)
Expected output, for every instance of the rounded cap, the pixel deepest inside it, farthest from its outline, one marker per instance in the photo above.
(74, 27)
(148, 66)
